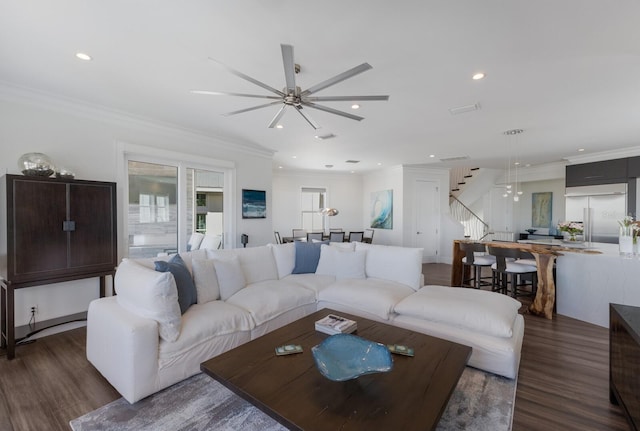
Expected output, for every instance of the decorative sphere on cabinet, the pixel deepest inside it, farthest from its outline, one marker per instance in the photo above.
(36, 165)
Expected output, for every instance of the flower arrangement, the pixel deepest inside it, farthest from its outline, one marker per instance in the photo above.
(572, 228)
(629, 227)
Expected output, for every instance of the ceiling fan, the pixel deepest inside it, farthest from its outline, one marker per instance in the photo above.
(293, 96)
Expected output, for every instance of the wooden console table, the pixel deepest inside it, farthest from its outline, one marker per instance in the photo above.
(545, 257)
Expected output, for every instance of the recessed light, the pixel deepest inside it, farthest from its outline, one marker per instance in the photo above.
(353, 172)
(478, 76)
(279, 126)
(517, 163)
(83, 56)
(580, 150)
(294, 157)
(431, 156)
(379, 163)
(355, 106)
(279, 167)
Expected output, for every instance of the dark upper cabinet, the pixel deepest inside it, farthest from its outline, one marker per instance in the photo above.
(56, 230)
(604, 172)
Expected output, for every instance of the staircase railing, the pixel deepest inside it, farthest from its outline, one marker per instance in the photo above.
(474, 227)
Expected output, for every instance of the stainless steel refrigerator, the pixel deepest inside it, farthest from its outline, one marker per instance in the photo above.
(599, 208)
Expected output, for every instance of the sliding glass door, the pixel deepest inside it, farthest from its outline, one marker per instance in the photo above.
(167, 202)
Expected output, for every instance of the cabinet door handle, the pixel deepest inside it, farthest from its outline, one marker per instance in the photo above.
(68, 226)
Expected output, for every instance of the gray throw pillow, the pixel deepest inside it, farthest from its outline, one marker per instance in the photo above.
(187, 293)
(307, 257)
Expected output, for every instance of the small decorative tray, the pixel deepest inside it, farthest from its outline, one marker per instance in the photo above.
(344, 357)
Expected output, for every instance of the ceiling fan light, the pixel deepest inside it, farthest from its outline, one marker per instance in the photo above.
(83, 56)
(478, 76)
(355, 106)
(279, 126)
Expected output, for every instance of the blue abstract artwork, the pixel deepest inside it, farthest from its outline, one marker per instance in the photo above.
(254, 204)
(382, 209)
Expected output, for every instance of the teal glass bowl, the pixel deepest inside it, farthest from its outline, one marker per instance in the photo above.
(343, 357)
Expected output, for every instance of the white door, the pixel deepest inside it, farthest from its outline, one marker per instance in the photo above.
(427, 220)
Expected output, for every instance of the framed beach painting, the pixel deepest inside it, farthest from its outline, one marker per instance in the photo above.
(254, 204)
(541, 204)
(382, 209)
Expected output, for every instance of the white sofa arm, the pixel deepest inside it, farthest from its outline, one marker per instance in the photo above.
(123, 347)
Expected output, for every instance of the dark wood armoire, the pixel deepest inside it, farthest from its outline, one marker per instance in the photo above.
(53, 230)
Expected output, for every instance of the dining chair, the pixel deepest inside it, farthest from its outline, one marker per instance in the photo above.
(368, 236)
(356, 236)
(475, 258)
(277, 235)
(314, 236)
(299, 233)
(338, 229)
(336, 236)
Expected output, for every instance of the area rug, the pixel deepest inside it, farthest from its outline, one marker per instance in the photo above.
(481, 401)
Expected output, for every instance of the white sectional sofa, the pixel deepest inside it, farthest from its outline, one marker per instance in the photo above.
(155, 332)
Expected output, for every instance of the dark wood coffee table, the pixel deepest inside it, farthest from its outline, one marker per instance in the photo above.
(291, 390)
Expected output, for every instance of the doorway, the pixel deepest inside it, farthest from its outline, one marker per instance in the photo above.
(427, 219)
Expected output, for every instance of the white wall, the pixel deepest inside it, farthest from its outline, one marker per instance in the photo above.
(84, 139)
(343, 193)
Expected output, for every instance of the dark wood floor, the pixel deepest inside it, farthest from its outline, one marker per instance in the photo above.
(562, 383)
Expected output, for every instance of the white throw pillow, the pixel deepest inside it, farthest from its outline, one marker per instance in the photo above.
(285, 257)
(150, 294)
(341, 263)
(351, 246)
(399, 264)
(258, 264)
(206, 280)
(230, 276)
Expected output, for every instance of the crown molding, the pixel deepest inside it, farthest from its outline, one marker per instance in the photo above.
(44, 100)
(621, 153)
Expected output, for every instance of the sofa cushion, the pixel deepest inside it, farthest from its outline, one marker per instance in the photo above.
(285, 257)
(206, 280)
(399, 264)
(476, 310)
(230, 276)
(258, 264)
(315, 282)
(268, 299)
(374, 296)
(187, 295)
(150, 294)
(203, 322)
(307, 257)
(341, 263)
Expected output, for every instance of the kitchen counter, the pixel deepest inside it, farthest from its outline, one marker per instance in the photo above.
(587, 281)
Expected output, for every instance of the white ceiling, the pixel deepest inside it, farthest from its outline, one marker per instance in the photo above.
(565, 71)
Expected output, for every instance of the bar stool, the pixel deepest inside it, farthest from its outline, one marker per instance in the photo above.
(475, 263)
(508, 272)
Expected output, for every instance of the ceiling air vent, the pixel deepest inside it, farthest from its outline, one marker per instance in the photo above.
(327, 136)
(463, 109)
(352, 161)
(454, 159)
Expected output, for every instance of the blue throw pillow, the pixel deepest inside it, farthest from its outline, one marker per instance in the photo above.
(307, 257)
(187, 294)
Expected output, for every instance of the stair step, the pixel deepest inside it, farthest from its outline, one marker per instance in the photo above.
(461, 183)
(468, 176)
(455, 190)
(474, 169)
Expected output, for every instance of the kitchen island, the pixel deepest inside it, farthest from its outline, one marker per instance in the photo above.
(587, 282)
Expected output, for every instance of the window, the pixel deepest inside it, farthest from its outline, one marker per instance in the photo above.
(312, 200)
(170, 195)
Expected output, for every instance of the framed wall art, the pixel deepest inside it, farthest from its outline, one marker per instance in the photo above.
(541, 206)
(254, 204)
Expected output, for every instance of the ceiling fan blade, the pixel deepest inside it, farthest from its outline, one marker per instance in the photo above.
(289, 68)
(278, 116)
(222, 93)
(248, 78)
(307, 117)
(338, 78)
(344, 98)
(251, 109)
(333, 111)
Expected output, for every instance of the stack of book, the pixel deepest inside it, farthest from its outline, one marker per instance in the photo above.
(333, 324)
